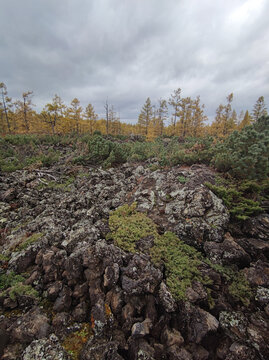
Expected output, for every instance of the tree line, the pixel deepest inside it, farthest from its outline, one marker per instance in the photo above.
(187, 117)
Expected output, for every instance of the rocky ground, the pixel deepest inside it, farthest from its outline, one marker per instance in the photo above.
(72, 293)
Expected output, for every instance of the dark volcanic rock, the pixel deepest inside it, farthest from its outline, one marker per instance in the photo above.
(200, 324)
(32, 325)
(64, 300)
(123, 296)
(227, 253)
(257, 227)
(140, 276)
(100, 349)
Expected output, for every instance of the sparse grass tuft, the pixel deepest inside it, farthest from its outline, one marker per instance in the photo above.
(75, 341)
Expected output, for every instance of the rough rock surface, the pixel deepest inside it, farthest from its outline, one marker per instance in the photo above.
(56, 236)
(45, 349)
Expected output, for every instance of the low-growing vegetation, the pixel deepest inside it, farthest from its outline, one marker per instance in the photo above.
(238, 286)
(63, 186)
(242, 155)
(75, 341)
(243, 199)
(29, 241)
(128, 226)
(12, 285)
(181, 262)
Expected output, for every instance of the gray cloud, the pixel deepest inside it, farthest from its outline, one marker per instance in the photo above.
(127, 50)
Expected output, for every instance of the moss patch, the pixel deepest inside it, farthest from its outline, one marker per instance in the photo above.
(182, 179)
(75, 341)
(181, 262)
(29, 241)
(9, 279)
(12, 285)
(128, 226)
(65, 186)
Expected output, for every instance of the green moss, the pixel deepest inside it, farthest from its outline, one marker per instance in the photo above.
(21, 289)
(10, 279)
(240, 289)
(182, 179)
(29, 241)
(65, 186)
(154, 167)
(128, 226)
(181, 261)
(4, 258)
(238, 286)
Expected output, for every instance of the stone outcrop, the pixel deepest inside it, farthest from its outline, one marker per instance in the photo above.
(81, 278)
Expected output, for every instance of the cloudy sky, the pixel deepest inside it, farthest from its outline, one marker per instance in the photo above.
(127, 50)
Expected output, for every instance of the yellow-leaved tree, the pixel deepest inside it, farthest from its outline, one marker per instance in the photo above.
(225, 120)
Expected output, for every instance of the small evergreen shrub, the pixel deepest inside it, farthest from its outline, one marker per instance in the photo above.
(239, 206)
(245, 154)
(99, 149)
(12, 285)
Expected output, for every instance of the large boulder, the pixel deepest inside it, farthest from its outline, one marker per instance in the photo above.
(45, 349)
(140, 276)
(33, 325)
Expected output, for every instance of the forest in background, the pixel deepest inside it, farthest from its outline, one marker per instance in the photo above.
(178, 116)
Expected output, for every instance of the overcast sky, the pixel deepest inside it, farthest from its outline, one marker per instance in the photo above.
(128, 50)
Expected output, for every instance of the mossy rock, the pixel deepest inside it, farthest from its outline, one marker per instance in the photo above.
(182, 263)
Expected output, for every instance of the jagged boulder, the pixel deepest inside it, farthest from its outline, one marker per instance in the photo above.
(45, 349)
(33, 325)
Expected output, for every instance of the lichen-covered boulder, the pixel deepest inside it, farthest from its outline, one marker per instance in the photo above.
(45, 349)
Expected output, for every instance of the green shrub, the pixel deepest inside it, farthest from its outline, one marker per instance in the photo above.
(245, 154)
(50, 159)
(12, 285)
(118, 155)
(99, 149)
(238, 286)
(238, 205)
